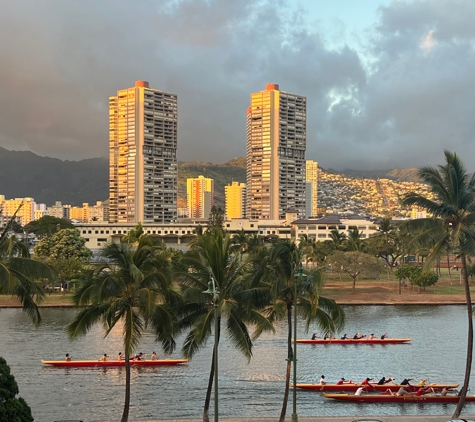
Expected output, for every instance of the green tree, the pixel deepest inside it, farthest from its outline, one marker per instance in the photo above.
(452, 206)
(64, 245)
(238, 302)
(388, 243)
(338, 238)
(65, 252)
(354, 240)
(215, 219)
(12, 408)
(240, 242)
(282, 280)
(133, 235)
(255, 243)
(403, 273)
(47, 226)
(134, 289)
(307, 246)
(425, 279)
(354, 264)
(19, 273)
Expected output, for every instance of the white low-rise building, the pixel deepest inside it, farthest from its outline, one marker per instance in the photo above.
(320, 229)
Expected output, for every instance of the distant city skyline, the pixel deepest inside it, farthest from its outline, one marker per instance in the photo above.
(388, 83)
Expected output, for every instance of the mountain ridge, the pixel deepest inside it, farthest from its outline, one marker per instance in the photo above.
(46, 179)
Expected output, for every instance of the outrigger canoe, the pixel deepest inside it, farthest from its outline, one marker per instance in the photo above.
(354, 341)
(85, 363)
(371, 387)
(388, 398)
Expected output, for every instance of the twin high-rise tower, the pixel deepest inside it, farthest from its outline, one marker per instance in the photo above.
(143, 179)
(143, 163)
(275, 154)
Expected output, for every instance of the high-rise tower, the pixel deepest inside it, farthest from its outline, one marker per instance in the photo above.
(200, 195)
(311, 176)
(143, 179)
(235, 200)
(275, 155)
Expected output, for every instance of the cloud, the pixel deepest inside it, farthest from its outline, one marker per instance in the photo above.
(428, 42)
(387, 104)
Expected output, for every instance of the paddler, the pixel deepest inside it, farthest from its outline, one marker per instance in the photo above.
(103, 358)
(68, 358)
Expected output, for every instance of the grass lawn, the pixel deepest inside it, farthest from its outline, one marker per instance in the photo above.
(368, 291)
(54, 299)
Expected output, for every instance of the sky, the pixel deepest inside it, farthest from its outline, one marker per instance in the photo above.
(389, 83)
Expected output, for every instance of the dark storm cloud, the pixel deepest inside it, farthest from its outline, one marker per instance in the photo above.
(64, 59)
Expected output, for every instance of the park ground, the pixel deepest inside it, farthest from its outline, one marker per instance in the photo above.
(384, 291)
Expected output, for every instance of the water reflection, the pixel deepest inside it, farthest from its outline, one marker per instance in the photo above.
(252, 389)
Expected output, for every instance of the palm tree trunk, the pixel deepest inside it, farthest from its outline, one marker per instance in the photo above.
(468, 364)
(448, 266)
(208, 392)
(125, 414)
(289, 362)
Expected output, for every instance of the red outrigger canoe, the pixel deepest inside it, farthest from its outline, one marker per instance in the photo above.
(388, 398)
(372, 387)
(86, 363)
(355, 341)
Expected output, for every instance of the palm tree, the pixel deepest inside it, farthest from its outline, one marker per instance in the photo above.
(133, 287)
(337, 238)
(18, 272)
(307, 246)
(354, 241)
(238, 301)
(451, 227)
(281, 278)
(240, 242)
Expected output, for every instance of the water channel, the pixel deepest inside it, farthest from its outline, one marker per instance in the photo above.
(253, 389)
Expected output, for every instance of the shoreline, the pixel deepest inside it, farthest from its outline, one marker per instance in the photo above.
(360, 303)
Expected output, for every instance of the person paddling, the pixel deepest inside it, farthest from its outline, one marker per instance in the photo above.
(103, 358)
(68, 358)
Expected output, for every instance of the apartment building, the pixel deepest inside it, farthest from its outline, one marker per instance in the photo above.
(311, 189)
(199, 196)
(275, 153)
(143, 180)
(235, 200)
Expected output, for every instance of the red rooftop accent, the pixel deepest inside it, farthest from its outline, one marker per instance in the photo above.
(271, 87)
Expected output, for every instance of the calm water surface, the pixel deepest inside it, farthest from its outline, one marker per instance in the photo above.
(252, 389)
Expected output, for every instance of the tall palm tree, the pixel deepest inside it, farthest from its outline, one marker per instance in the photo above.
(282, 276)
(452, 226)
(19, 274)
(354, 240)
(238, 303)
(133, 287)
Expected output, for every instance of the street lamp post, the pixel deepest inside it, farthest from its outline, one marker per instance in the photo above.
(295, 417)
(213, 290)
